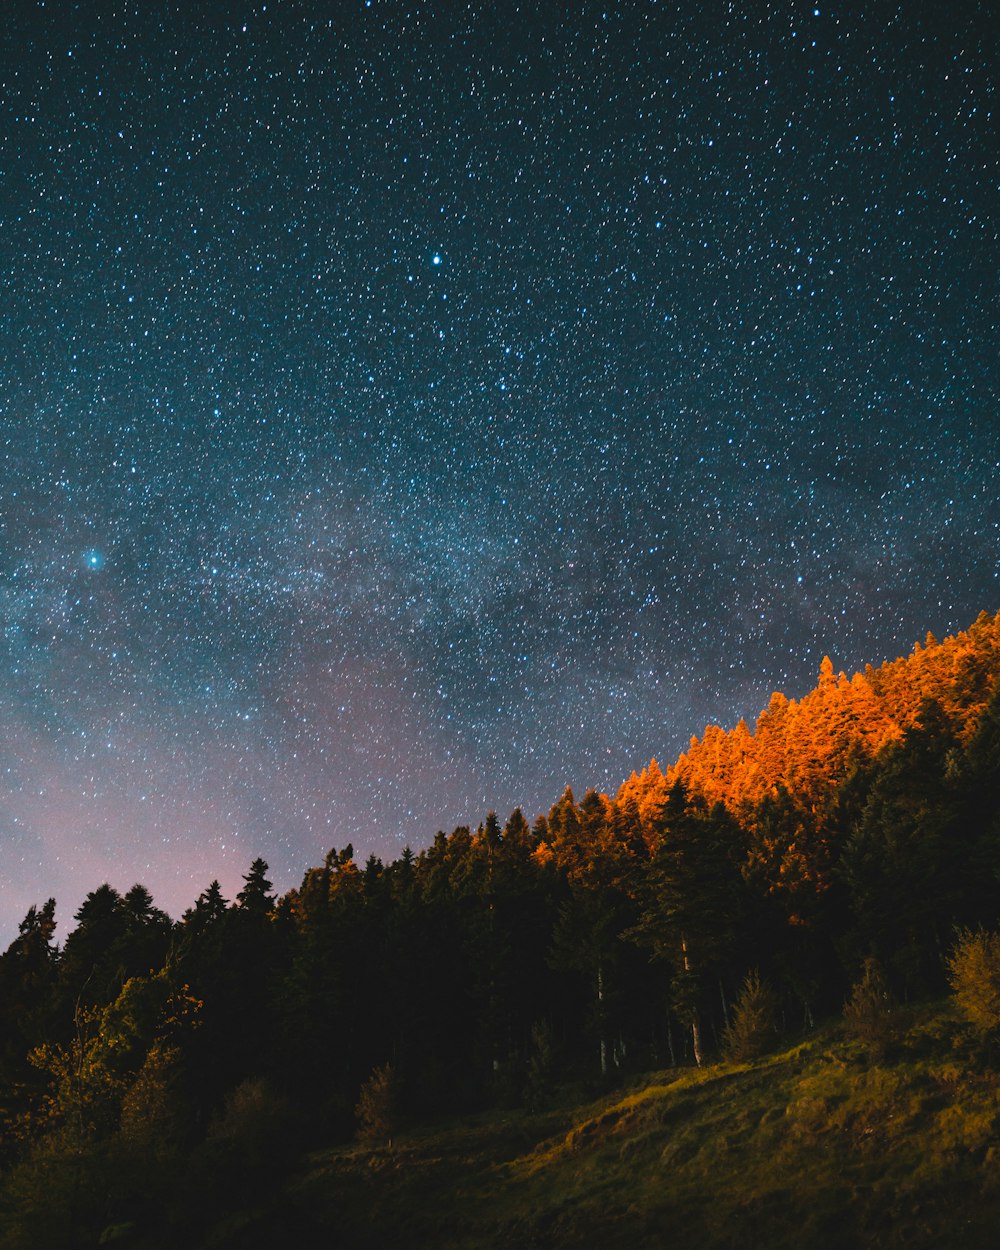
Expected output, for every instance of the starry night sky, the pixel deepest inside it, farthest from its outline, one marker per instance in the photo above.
(409, 409)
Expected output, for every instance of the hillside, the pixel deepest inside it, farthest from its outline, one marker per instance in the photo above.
(805, 746)
(812, 1147)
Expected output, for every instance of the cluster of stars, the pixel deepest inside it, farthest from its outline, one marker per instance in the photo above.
(409, 411)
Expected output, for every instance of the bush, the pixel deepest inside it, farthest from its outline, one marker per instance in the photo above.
(752, 1029)
(249, 1146)
(974, 976)
(870, 1013)
(57, 1196)
(156, 1117)
(377, 1108)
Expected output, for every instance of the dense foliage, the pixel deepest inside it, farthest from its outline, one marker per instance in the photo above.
(856, 830)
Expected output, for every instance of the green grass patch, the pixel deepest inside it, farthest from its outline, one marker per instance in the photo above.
(816, 1146)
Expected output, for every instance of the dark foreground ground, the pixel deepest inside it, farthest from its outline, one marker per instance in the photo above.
(817, 1146)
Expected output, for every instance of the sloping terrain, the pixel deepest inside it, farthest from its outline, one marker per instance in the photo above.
(813, 1147)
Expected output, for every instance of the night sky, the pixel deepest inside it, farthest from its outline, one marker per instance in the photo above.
(409, 409)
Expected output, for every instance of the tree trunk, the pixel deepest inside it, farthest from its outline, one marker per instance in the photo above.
(695, 1022)
(600, 1018)
(696, 1038)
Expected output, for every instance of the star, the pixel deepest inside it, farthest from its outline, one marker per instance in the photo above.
(603, 373)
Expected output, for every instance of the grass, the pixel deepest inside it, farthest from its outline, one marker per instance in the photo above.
(815, 1146)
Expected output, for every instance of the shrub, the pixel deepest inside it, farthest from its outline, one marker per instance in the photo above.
(57, 1196)
(752, 1029)
(870, 1013)
(376, 1111)
(255, 1138)
(974, 976)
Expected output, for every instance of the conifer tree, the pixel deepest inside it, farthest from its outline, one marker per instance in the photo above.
(28, 970)
(256, 897)
(690, 900)
(752, 1028)
(870, 1012)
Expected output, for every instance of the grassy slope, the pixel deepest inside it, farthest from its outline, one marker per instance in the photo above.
(813, 1147)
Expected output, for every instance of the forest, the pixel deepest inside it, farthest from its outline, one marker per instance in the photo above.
(845, 849)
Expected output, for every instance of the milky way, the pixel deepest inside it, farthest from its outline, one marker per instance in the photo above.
(408, 410)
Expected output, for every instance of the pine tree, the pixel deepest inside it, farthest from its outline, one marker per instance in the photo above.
(256, 897)
(90, 969)
(752, 1029)
(870, 1013)
(208, 909)
(28, 972)
(690, 901)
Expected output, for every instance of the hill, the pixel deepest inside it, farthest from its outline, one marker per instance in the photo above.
(813, 1147)
(806, 746)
